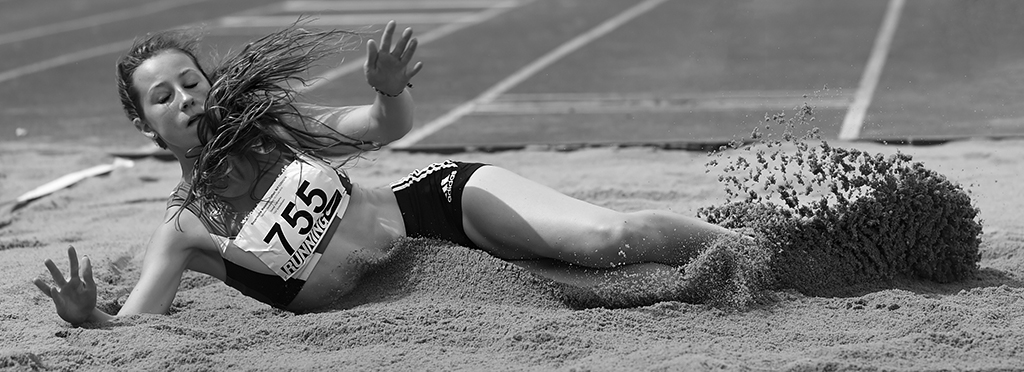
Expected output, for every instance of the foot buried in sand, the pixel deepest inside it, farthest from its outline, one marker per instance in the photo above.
(731, 273)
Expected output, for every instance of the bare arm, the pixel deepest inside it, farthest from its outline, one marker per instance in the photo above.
(383, 122)
(390, 116)
(169, 252)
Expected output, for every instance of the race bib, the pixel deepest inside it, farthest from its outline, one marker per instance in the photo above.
(290, 221)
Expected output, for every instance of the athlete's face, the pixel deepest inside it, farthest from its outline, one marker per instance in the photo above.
(171, 91)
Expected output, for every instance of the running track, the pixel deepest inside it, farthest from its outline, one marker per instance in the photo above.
(565, 73)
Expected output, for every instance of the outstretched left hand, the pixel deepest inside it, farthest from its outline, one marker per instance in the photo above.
(75, 299)
(386, 67)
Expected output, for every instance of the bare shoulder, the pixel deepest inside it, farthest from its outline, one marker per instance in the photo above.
(181, 230)
(182, 236)
(182, 223)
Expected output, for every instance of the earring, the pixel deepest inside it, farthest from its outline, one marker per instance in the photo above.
(156, 139)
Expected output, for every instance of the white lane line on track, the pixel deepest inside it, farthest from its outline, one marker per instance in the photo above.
(474, 18)
(427, 37)
(69, 58)
(345, 19)
(94, 20)
(64, 59)
(348, 6)
(598, 103)
(525, 73)
(854, 120)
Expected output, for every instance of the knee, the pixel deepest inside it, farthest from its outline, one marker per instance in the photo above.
(608, 243)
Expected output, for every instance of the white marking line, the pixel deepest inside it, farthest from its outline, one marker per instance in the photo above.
(64, 60)
(731, 94)
(596, 103)
(437, 33)
(431, 35)
(91, 21)
(854, 120)
(526, 72)
(345, 19)
(93, 52)
(347, 6)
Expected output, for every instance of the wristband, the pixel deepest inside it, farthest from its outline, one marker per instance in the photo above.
(385, 94)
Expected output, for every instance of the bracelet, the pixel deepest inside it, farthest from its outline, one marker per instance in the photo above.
(391, 95)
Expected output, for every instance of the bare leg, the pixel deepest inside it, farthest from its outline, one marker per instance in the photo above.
(515, 218)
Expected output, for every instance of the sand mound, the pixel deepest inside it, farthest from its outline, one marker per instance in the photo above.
(425, 268)
(732, 273)
(834, 219)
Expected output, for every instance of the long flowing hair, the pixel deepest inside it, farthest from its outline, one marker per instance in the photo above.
(250, 99)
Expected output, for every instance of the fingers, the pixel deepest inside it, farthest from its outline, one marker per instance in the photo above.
(87, 272)
(371, 53)
(410, 50)
(58, 277)
(385, 40)
(73, 257)
(399, 51)
(57, 300)
(402, 52)
(415, 70)
(43, 287)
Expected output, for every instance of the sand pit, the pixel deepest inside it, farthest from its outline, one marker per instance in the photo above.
(443, 307)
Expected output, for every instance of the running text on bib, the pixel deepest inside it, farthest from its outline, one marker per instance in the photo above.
(292, 218)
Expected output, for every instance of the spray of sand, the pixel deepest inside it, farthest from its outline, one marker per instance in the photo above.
(825, 221)
(833, 219)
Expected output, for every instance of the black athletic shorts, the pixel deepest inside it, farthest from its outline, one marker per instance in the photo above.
(431, 201)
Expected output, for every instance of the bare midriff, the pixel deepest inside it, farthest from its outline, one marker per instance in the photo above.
(362, 237)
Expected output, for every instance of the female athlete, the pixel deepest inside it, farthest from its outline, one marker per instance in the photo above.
(262, 206)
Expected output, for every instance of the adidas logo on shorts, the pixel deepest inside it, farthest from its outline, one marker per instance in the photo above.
(446, 185)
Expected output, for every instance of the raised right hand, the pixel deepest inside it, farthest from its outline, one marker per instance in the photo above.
(387, 69)
(75, 299)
